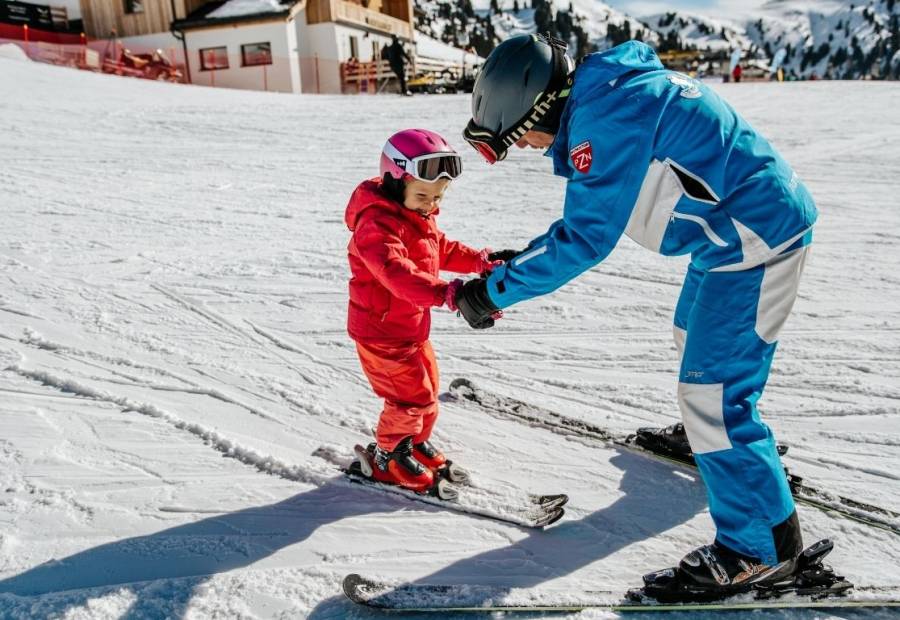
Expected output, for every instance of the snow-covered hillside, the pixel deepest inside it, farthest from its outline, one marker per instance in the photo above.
(843, 39)
(680, 29)
(833, 38)
(586, 24)
(177, 387)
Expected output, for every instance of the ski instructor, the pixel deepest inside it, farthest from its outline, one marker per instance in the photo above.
(658, 156)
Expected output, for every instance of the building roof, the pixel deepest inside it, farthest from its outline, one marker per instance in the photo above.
(222, 12)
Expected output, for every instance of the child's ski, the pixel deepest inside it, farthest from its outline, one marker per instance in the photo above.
(516, 507)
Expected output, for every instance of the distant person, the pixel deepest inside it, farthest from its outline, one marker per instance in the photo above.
(397, 57)
(681, 173)
(737, 72)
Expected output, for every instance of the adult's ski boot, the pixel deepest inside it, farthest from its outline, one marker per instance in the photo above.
(434, 459)
(672, 441)
(714, 572)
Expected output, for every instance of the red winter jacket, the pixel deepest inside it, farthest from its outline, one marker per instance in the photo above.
(395, 255)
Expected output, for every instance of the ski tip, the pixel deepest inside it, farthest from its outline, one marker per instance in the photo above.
(460, 382)
(351, 587)
(366, 592)
(446, 491)
(552, 517)
(551, 501)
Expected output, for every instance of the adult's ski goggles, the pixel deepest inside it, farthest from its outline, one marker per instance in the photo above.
(494, 147)
(485, 142)
(429, 167)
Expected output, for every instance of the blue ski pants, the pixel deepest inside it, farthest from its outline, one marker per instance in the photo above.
(726, 326)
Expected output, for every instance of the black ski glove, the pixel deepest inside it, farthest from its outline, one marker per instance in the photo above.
(504, 255)
(474, 304)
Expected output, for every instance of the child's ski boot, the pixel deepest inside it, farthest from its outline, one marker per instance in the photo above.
(434, 459)
(399, 467)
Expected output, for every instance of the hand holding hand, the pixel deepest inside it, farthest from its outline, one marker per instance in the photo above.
(475, 305)
(485, 264)
(503, 255)
(450, 295)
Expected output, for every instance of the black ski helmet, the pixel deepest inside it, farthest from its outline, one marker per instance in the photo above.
(522, 85)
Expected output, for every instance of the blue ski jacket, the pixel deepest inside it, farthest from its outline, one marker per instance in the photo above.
(662, 158)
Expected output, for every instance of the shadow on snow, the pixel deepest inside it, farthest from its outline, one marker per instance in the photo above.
(655, 498)
(191, 553)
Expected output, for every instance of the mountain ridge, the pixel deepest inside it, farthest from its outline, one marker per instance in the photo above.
(830, 38)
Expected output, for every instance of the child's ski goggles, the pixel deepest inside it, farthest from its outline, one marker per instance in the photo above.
(429, 167)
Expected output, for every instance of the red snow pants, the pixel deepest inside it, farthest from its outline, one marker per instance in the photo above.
(406, 377)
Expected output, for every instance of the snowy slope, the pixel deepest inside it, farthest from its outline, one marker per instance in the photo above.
(834, 38)
(842, 38)
(829, 32)
(177, 385)
(594, 16)
(699, 31)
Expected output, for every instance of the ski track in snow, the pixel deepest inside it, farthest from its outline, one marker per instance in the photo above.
(173, 269)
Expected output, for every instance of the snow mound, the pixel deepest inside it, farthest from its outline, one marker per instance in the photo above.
(11, 51)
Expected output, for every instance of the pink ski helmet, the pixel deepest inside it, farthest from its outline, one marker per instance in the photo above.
(421, 154)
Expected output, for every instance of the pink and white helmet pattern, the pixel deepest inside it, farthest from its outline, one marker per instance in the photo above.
(421, 154)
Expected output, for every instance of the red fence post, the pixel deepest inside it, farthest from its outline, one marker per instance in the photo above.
(317, 74)
(27, 46)
(265, 79)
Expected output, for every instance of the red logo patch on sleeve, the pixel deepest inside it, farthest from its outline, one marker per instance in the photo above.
(582, 156)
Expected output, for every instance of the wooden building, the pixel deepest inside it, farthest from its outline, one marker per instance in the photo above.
(280, 45)
(129, 18)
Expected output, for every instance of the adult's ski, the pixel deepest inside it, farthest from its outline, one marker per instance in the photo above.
(511, 408)
(440, 599)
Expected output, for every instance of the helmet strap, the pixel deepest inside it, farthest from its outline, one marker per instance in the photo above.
(551, 121)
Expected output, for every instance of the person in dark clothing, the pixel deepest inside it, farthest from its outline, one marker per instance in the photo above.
(398, 57)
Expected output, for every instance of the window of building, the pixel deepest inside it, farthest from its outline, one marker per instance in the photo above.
(213, 58)
(354, 47)
(253, 54)
(134, 6)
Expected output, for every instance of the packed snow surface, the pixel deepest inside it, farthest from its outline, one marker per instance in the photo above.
(178, 389)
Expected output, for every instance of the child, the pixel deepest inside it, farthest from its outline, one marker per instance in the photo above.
(395, 254)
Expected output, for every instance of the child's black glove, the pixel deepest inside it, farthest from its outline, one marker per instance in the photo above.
(475, 306)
